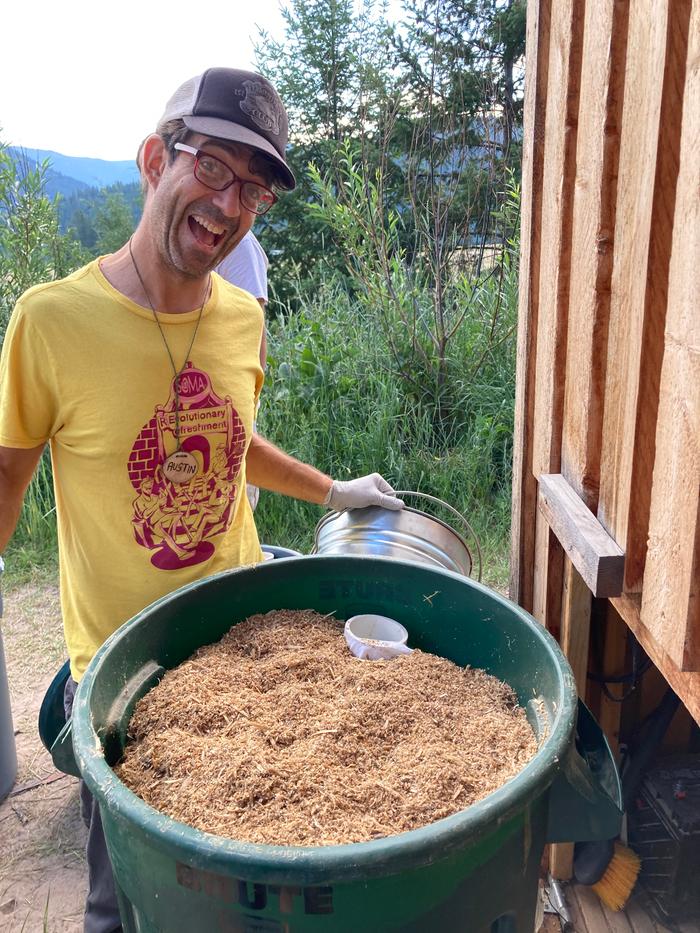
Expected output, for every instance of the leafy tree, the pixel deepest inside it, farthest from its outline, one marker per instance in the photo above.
(441, 311)
(331, 72)
(114, 224)
(32, 249)
(432, 105)
(330, 58)
(80, 211)
(461, 57)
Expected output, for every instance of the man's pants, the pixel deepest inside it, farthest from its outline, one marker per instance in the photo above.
(101, 909)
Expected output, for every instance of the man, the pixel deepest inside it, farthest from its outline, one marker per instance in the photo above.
(142, 371)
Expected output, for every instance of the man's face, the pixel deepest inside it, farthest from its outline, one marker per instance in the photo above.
(195, 227)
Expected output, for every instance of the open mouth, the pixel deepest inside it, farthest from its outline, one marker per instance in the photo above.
(205, 231)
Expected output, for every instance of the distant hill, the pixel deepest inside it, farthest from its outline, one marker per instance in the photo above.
(87, 173)
(56, 183)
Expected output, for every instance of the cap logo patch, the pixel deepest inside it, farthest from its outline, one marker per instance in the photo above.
(261, 106)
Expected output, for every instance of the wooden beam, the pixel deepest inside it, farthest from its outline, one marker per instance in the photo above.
(586, 543)
(685, 683)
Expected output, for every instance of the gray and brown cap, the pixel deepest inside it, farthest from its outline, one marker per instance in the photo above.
(240, 106)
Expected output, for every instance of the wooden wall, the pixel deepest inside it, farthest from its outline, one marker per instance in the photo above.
(607, 465)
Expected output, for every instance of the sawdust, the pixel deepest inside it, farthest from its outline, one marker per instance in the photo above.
(278, 735)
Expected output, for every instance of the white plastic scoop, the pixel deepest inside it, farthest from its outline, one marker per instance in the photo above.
(376, 638)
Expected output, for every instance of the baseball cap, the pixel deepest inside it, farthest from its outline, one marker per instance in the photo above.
(240, 106)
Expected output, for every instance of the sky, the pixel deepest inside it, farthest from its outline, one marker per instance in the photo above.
(88, 78)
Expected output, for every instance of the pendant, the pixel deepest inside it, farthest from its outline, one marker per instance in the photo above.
(180, 467)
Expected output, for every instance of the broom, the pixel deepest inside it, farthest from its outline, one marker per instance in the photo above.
(610, 867)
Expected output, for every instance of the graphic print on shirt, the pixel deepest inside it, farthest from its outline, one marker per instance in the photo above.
(178, 520)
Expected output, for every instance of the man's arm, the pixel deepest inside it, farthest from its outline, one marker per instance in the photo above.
(271, 468)
(17, 466)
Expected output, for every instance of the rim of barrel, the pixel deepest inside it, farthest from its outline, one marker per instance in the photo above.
(350, 861)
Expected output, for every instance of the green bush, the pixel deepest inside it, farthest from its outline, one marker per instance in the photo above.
(334, 397)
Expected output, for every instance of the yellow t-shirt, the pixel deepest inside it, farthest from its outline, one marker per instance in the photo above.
(85, 368)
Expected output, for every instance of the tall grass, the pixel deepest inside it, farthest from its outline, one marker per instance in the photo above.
(32, 552)
(334, 398)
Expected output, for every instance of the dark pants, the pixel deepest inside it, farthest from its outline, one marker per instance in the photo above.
(101, 909)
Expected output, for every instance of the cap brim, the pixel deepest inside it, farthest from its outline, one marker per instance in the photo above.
(235, 133)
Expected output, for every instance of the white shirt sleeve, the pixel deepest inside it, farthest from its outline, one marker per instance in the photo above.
(246, 266)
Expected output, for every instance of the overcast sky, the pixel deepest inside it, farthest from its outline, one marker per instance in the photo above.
(91, 79)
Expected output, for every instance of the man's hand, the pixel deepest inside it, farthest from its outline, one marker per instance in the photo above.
(361, 492)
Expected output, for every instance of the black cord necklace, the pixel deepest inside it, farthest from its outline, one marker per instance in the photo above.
(181, 466)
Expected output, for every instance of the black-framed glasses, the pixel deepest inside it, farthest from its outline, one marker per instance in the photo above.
(216, 175)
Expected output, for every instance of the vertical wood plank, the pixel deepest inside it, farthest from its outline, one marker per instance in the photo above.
(574, 639)
(594, 194)
(524, 505)
(671, 593)
(614, 656)
(660, 244)
(563, 88)
(646, 196)
(561, 860)
(638, 144)
(575, 624)
(564, 74)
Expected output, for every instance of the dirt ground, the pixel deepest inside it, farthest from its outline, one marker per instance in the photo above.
(42, 838)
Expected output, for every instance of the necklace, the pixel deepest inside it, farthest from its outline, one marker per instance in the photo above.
(181, 466)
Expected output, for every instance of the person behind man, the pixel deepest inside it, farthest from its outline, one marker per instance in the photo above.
(142, 371)
(246, 266)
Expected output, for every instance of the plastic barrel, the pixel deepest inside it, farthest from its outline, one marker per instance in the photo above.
(8, 750)
(474, 871)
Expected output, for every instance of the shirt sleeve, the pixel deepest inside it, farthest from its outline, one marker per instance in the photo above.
(28, 400)
(246, 266)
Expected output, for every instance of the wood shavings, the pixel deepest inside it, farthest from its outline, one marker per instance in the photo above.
(278, 735)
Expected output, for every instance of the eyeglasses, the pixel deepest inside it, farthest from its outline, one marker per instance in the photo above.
(216, 175)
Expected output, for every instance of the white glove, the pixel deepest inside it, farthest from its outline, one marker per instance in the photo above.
(361, 492)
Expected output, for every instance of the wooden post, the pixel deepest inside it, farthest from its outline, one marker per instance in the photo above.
(575, 634)
(614, 657)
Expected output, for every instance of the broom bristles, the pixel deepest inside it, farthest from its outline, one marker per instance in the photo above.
(619, 878)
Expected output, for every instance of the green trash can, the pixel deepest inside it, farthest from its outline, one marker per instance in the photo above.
(474, 871)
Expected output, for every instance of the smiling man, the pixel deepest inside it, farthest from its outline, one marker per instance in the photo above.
(142, 371)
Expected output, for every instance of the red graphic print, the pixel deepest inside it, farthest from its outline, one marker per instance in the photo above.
(178, 520)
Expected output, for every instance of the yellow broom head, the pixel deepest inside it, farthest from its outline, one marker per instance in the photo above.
(619, 878)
